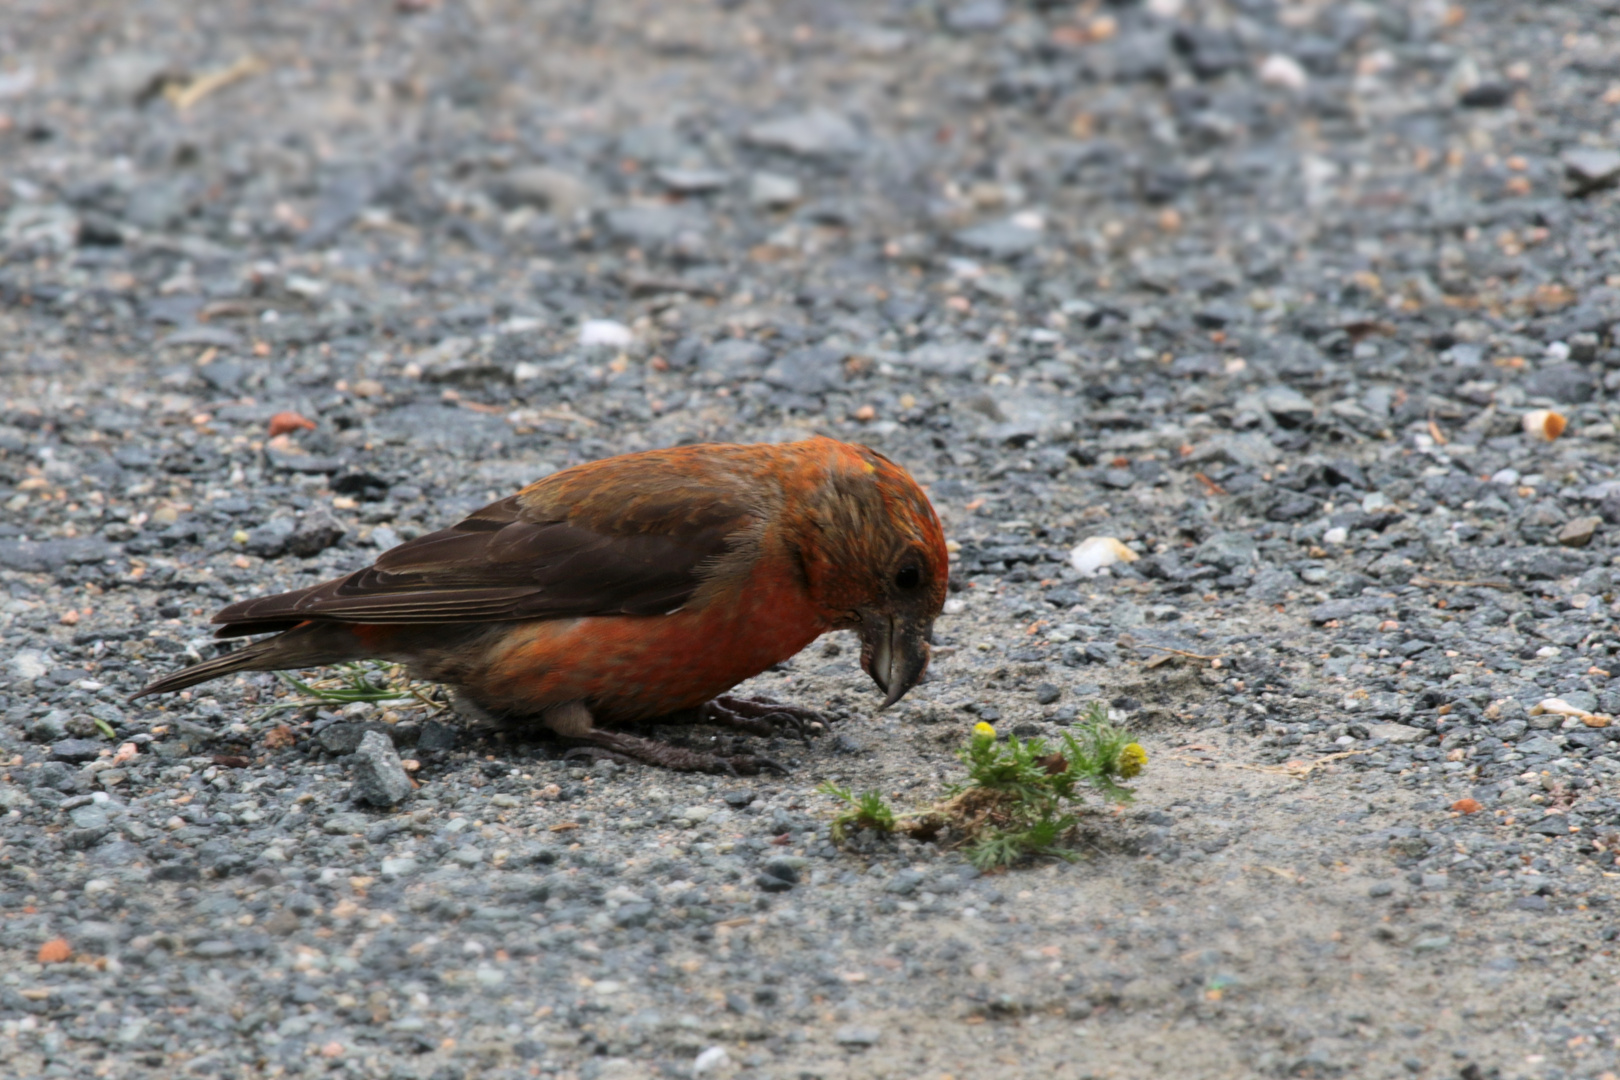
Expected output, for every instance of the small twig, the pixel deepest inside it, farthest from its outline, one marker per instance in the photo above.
(185, 97)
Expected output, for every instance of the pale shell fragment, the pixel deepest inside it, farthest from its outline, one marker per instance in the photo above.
(1560, 707)
(1544, 424)
(1099, 552)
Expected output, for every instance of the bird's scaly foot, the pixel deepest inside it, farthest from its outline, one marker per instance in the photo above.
(617, 746)
(762, 716)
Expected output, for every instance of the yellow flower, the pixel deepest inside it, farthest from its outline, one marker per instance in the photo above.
(983, 730)
(1131, 760)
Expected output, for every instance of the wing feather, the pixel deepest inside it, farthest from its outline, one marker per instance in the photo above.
(626, 541)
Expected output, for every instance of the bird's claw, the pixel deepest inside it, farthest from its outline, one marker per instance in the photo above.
(763, 716)
(632, 749)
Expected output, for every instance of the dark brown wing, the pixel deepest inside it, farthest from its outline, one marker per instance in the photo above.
(634, 542)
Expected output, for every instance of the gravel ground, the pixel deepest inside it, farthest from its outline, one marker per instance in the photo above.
(1264, 290)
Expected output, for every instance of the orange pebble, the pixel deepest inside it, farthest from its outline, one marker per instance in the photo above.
(54, 951)
(283, 422)
(1467, 806)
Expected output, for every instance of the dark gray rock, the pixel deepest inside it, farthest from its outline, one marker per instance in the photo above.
(1566, 384)
(270, 540)
(315, 532)
(77, 750)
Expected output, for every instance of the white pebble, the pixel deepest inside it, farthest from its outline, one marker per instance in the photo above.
(711, 1060)
(1336, 535)
(605, 332)
(1284, 71)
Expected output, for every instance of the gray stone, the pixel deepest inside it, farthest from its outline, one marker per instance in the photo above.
(1539, 746)
(999, 239)
(1397, 733)
(435, 737)
(34, 556)
(1579, 532)
(1552, 825)
(341, 738)
(346, 824)
(545, 188)
(773, 191)
(1229, 551)
(976, 16)
(735, 358)
(1248, 450)
(159, 204)
(1289, 406)
(1566, 384)
(1345, 608)
(691, 181)
(1046, 693)
(50, 727)
(905, 882)
(1591, 167)
(954, 360)
(123, 77)
(819, 133)
(650, 226)
(316, 531)
(269, 541)
(857, 1035)
(77, 750)
(812, 370)
(379, 776)
(214, 948)
(222, 337)
(786, 867)
(88, 817)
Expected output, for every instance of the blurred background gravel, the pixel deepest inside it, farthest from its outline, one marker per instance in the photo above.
(1265, 290)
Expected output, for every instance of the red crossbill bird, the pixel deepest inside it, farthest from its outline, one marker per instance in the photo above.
(638, 588)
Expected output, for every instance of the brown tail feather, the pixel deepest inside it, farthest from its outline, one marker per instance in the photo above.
(310, 645)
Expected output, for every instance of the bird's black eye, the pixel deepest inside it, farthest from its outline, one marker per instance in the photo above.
(909, 577)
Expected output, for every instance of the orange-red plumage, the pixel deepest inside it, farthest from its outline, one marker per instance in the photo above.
(633, 588)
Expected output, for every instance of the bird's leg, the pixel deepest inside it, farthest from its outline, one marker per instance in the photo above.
(762, 716)
(617, 746)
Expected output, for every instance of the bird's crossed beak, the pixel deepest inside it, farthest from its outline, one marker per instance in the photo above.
(894, 651)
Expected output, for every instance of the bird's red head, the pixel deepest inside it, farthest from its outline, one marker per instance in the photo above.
(876, 557)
